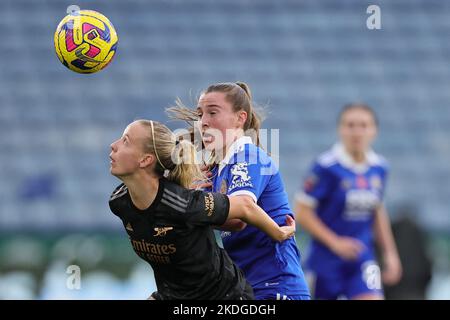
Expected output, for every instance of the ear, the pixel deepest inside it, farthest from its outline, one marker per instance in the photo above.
(147, 160)
(242, 117)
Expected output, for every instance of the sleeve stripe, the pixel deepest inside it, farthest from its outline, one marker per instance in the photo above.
(306, 199)
(174, 201)
(173, 206)
(119, 193)
(175, 196)
(244, 193)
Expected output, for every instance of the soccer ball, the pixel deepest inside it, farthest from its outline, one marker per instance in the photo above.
(85, 41)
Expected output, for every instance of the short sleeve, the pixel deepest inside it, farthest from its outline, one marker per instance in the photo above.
(317, 186)
(117, 200)
(207, 208)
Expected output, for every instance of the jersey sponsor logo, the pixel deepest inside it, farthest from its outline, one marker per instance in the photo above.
(209, 204)
(148, 247)
(174, 201)
(360, 204)
(241, 177)
(151, 252)
(161, 232)
(129, 227)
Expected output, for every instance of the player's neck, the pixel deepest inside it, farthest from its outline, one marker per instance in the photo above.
(358, 157)
(143, 190)
(227, 147)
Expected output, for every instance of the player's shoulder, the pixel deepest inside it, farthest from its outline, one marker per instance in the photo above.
(174, 189)
(118, 199)
(181, 204)
(175, 197)
(327, 159)
(252, 154)
(377, 160)
(119, 192)
(253, 162)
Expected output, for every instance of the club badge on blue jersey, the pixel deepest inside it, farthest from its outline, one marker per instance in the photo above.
(241, 177)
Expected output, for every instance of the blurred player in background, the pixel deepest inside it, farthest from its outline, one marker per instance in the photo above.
(341, 207)
(242, 169)
(170, 226)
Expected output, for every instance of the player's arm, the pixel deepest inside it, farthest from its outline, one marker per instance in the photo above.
(310, 222)
(212, 209)
(229, 225)
(244, 208)
(318, 187)
(392, 268)
(234, 225)
(345, 247)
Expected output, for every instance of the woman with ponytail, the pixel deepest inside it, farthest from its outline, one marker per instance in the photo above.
(170, 226)
(230, 127)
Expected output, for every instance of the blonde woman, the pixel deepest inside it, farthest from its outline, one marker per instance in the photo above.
(170, 226)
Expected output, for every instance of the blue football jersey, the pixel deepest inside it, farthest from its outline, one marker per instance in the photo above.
(269, 266)
(345, 196)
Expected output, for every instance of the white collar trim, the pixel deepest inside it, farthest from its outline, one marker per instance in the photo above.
(344, 158)
(236, 147)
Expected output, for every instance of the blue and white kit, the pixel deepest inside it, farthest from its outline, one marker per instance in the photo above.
(345, 196)
(273, 269)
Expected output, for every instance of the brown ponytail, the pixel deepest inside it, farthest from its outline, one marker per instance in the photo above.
(245, 87)
(253, 118)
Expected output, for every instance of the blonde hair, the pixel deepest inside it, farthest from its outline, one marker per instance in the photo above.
(175, 159)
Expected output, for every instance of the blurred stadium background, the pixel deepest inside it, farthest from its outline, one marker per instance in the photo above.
(303, 59)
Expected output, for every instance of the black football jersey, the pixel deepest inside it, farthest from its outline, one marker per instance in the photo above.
(175, 236)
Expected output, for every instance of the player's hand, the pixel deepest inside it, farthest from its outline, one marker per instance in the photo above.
(288, 230)
(347, 248)
(392, 269)
(202, 184)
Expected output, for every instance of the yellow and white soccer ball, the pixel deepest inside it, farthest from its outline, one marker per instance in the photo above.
(85, 41)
